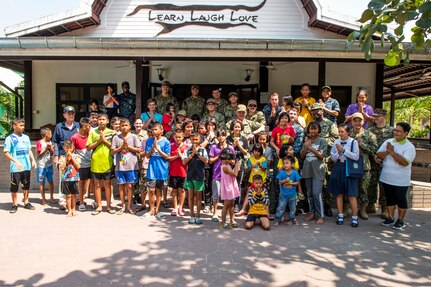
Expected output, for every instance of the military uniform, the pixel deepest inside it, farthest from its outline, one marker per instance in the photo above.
(249, 127)
(382, 134)
(162, 102)
(218, 117)
(229, 112)
(194, 106)
(257, 117)
(368, 149)
(221, 104)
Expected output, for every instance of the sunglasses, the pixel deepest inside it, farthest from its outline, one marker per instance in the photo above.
(252, 106)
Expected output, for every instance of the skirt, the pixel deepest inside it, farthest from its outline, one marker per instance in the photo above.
(339, 183)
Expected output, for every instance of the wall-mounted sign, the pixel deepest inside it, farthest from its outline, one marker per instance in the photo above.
(172, 17)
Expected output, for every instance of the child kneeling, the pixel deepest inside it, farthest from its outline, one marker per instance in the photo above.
(258, 201)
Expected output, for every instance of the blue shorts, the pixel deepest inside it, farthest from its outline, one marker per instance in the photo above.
(43, 173)
(129, 176)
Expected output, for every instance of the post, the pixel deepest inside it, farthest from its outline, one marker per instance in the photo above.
(28, 94)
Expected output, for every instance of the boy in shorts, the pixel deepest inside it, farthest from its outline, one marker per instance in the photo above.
(258, 201)
(195, 158)
(177, 173)
(69, 166)
(126, 147)
(44, 161)
(80, 142)
(17, 148)
(157, 149)
(99, 142)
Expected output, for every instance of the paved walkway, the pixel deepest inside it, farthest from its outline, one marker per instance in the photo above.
(44, 248)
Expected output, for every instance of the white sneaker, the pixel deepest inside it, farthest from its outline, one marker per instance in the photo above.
(82, 207)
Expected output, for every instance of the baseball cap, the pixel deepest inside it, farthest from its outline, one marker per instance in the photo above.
(167, 83)
(195, 87)
(380, 112)
(68, 109)
(233, 94)
(182, 113)
(326, 87)
(357, 115)
(241, 108)
(252, 102)
(317, 106)
(211, 101)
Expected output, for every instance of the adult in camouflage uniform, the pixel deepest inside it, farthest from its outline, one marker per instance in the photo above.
(229, 111)
(368, 147)
(165, 98)
(329, 132)
(140, 188)
(195, 104)
(250, 129)
(219, 101)
(382, 131)
(253, 114)
(213, 114)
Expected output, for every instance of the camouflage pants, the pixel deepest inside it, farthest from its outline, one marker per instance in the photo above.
(364, 182)
(141, 185)
(327, 197)
(375, 188)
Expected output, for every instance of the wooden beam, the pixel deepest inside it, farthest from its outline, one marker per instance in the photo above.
(392, 115)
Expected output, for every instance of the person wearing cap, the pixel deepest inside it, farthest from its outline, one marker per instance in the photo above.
(360, 107)
(213, 114)
(165, 97)
(383, 132)
(253, 114)
(195, 104)
(220, 102)
(127, 103)
(306, 102)
(64, 131)
(250, 129)
(328, 131)
(272, 110)
(229, 111)
(367, 147)
(331, 107)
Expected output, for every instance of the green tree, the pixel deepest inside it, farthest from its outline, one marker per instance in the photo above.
(7, 102)
(383, 13)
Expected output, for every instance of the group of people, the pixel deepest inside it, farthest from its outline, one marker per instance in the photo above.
(268, 164)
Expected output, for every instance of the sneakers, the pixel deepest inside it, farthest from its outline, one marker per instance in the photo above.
(174, 212)
(355, 221)
(82, 207)
(236, 208)
(215, 218)
(181, 212)
(198, 221)
(192, 220)
(29, 206)
(399, 225)
(160, 216)
(14, 209)
(388, 222)
(340, 219)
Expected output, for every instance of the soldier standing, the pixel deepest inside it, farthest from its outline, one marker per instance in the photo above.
(368, 147)
(195, 104)
(229, 111)
(212, 114)
(219, 101)
(382, 131)
(253, 114)
(165, 98)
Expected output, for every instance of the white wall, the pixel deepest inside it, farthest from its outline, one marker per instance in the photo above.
(46, 74)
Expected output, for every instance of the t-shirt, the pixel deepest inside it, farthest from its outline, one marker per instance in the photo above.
(392, 172)
(146, 116)
(166, 122)
(101, 158)
(279, 134)
(176, 167)
(258, 203)
(45, 160)
(255, 169)
(305, 113)
(19, 147)
(332, 105)
(158, 166)
(70, 172)
(196, 167)
(314, 167)
(214, 152)
(242, 141)
(293, 176)
(80, 144)
(295, 164)
(125, 159)
(111, 104)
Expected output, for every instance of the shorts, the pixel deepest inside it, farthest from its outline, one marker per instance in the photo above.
(43, 173)
(84, 173)
(128, 176)
(22, 177)
(253, 217)
(156, 183)
(215, 188)
(101, 176)
(176, 182)
(396, 195)
(113, 172)
(198, 185)
(69, 187)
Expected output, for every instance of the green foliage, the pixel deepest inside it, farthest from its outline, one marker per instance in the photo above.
(413, 111)
(380, 14)
(7, 101)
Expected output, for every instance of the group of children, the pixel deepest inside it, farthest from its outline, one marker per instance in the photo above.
(147, 162)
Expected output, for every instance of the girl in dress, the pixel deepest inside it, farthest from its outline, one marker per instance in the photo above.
(229, 186)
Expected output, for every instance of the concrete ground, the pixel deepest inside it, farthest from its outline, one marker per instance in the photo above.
(45, 248)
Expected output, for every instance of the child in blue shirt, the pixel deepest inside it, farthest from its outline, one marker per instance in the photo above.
(17, 148)
(288, 179)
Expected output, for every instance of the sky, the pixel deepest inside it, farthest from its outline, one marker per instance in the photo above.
(16, 11)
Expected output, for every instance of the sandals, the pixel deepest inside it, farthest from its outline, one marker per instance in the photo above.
(140, 208)
(340, 219)
(111, 211)
(271, 217)
(130, 211)
(355, 222)
(96, 212)
(309, 217)
(295, 222)
(320, 221)
(234, 224)
(226, 226)
(121, 211)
